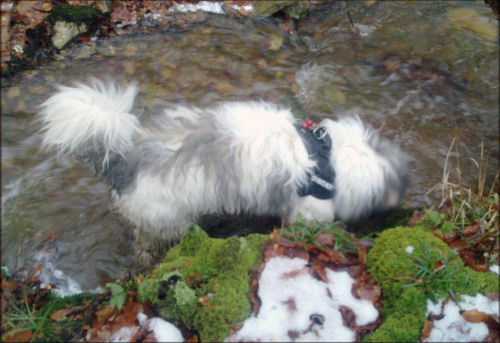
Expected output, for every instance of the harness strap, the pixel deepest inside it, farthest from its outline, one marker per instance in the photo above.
(321, 183)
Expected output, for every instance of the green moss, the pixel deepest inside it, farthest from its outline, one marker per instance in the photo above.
(408, 280)
(204, 282)
(267, 8)
(74, 14)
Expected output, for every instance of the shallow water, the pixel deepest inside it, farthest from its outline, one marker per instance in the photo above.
(417, 70)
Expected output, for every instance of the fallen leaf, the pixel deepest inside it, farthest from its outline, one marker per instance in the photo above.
(16, 335)
(103, 315)
(348, 317)
(326, 239)
(369, 292)
(415, 217)
(426, 331)
(474, 316)
(205, 301)
(471, 230)
(60, 315)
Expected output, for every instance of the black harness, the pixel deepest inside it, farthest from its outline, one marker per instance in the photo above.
(321, 183)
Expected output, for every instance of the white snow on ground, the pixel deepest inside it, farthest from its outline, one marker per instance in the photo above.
(453, 327)
(293, 300)
(495, 269)
(409, 249)
(124, 334)
(208, 6)
(247, 8)
(163, 330)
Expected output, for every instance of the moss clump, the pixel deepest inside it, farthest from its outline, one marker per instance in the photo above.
(407, 280)
(73, 14)
(204, 282)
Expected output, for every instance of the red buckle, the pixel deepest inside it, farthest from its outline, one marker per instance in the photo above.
(308, 125)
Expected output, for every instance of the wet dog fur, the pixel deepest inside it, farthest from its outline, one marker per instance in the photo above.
(232, 158)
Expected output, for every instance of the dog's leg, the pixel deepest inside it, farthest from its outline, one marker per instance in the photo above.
(314, 209)
(148, 247)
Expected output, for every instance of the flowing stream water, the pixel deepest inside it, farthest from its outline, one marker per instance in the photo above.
(422, 72)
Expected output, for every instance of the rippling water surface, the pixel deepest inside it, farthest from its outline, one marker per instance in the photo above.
(422, 72)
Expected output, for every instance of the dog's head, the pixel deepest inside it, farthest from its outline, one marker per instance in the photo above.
(371, 173)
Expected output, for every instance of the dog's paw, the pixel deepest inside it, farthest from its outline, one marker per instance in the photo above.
(143, 258)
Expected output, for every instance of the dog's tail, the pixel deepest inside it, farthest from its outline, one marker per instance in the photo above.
(90, 118)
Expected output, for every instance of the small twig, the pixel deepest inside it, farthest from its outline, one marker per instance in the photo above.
(350, 19)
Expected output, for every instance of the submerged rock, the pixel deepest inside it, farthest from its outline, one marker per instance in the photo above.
(65, 32)
(267, 8)
(469, 20)
(71, 21)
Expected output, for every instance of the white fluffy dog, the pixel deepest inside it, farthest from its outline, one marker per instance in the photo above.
(235, 158)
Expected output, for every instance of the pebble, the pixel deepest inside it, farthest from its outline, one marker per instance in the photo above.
(469, 19)
(129, 68)
(130, 50)
(13, 92)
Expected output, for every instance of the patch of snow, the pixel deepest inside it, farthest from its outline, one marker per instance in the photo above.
(409, 249)
(298, 307)
(124, 334)
(141, 318)
(481, 303)
(453, 327)
(434, 308)
(247, 8)
(495, 269)
(205, 6)
(165, 331)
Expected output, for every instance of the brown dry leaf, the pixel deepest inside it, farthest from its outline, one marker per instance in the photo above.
(320, 270)
(369, 292)
(364, 245)
(253, 295)
(471, 230)
(468, 258)
(426, 331)
(327, 239)
(120, 14)
(205, 300)
(290, 304)
(18, 336)
(333, 256)
(447, 238)
(415, 217)
(8, 287)
(348, 317)
(108, 321)
(474, 316)
(60, 315)
(191, 339)
(362, 257)
(103, 315)
(438, 265)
